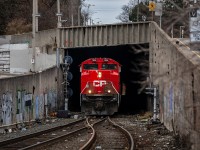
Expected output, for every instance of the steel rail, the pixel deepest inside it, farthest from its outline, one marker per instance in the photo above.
(91, 141)
(53, 140)
(18, 139)
(128, 135)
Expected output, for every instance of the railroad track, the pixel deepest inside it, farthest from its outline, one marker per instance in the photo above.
(35, 140)
(77, 140)
(83, 134)
(109, 135)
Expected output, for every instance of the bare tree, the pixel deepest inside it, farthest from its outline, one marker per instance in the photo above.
(21, 10)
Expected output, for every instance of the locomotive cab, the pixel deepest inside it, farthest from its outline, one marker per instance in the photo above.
(100, 86)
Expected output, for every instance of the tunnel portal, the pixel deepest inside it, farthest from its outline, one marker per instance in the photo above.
(135, 70)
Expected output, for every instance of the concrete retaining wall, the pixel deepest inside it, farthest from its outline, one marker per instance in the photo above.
(45, 53)
(175, 69)
(43, 38)
(30, 97)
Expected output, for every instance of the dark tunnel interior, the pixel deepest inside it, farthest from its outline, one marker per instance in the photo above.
(135, 66)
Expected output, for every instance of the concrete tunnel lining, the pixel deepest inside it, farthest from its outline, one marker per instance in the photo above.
(135, 68)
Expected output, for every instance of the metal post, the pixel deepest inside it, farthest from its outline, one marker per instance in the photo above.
(160, 20)
(172, 31)
(66, 104)
(66, 98)
(58, 57)
(181, 31)
(66, 73)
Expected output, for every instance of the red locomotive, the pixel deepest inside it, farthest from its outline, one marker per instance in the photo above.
(100, 86)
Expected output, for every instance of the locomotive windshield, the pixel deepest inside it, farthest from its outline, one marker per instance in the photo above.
(109, 66)
(90, 66)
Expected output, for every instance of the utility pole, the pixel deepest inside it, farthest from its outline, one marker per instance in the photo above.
(33, 34)
(138, 11)
(79, 13)
(88, 13)
(35, 16)
(72, 20)
(58, 14)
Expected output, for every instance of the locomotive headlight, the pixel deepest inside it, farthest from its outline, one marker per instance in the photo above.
(89, 91)
(99, 75)
(109, 91)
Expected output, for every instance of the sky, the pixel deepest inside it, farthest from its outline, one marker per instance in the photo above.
(106, 11)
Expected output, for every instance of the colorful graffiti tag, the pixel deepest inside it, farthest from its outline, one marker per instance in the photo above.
(24, 103)
(51, 99)
(25, 106)
(39, 107)
(6, 106)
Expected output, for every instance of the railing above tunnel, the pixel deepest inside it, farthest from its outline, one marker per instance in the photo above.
(104, 35)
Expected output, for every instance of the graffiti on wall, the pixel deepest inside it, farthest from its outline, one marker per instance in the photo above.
(39, 106)
(6, 106)
(168, 108)
(25, 106)
(161, 108)
(171, 97)
(51, 99)
(180, 99)
(24, 103)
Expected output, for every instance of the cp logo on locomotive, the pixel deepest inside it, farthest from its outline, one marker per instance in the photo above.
(99, 83)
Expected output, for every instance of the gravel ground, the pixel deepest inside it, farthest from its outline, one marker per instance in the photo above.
(148, 136)
(71, 143)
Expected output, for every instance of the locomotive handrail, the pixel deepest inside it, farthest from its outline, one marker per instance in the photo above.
(84, 88)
